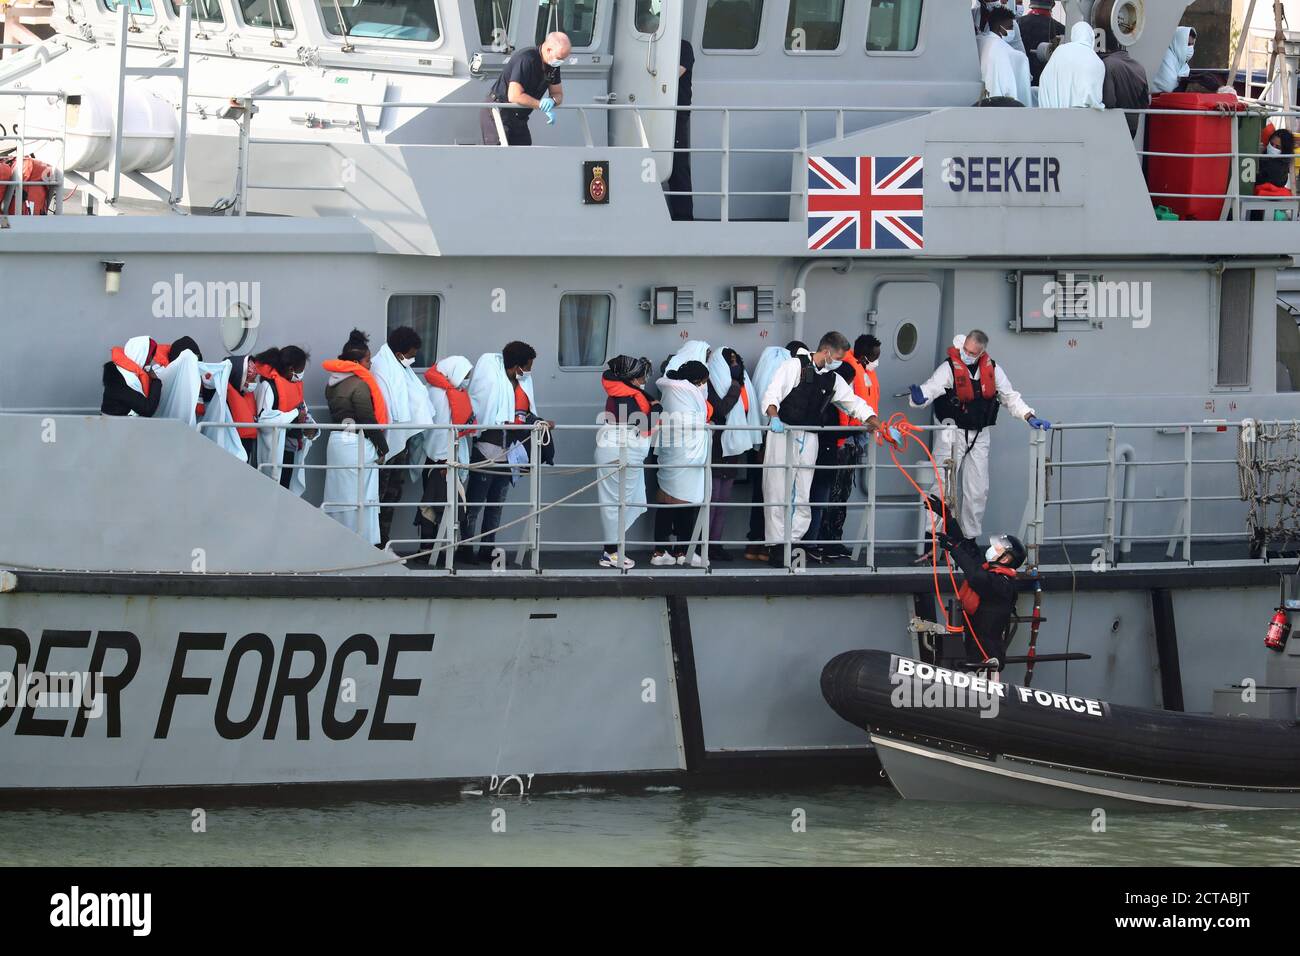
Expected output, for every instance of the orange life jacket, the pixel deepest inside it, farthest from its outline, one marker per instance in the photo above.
(970, 601)
(119, 359)
(363, 373)
(36, 199)
(624, 390)
(521, 399)
(243, 408)
(288, 394)
(866, 386)
(963, 385)
(462, 409)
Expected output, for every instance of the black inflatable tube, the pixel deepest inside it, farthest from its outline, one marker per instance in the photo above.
(860, 686)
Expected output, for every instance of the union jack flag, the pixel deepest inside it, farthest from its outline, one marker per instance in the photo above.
(865, 202)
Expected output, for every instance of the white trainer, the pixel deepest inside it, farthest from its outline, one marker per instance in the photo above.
(608, 559)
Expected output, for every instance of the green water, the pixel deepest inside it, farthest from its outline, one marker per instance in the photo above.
(845, 825)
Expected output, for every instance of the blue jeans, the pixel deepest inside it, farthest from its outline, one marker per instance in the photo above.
(485, 486)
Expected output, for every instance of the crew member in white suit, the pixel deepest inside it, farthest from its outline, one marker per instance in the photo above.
(967, 390)
(795, 399)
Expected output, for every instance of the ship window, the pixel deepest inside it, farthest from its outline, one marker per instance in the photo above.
(209, 11)
(813, 25)
(584, 329)
(382, 20)
(142, 7)
(577, 18)
(493, 23)
(905, 340)
(732, 24)
(266, 13)
(647, 15)
(239, 329)
(893, 26)
(420, 312)
(1236, 301)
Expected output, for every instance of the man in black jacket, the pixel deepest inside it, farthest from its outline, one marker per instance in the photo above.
(988, 593)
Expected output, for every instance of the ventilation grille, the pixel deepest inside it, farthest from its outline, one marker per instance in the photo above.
(685, 305)
(765, 307)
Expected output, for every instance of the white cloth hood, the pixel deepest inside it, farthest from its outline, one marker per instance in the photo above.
(137, 350)
(696, 350)
(455, 368)
(1176, 63)
(1074, 75)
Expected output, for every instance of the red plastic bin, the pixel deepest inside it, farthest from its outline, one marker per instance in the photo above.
(1194, 133)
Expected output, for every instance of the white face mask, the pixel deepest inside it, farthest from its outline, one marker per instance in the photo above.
(296, 377)
(968, 358)
(991, 554)
(1274, 150)
(871, 366)
(408, 362)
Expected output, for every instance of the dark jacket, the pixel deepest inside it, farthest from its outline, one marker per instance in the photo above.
(997, 594)
(1125, 86)
(722, 406)
(1035, 29)
(1277, 169)
(349, 400)
(121, 399)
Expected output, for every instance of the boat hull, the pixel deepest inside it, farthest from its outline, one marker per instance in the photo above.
(942, 735)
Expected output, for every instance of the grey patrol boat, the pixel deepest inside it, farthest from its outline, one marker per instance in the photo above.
(264, 172)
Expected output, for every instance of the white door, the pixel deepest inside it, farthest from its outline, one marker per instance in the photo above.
(647, 54)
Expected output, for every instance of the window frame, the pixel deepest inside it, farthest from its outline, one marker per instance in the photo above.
(597, 31)
(387, 43)
(437, 332)
(243, 24)
(516, 8)
(757, 50)
(174, 14)
(609, 332)
(1216, 326)
(921, 34)
(151, 17)
(840, 47)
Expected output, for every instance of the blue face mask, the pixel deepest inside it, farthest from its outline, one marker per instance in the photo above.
(833, 364)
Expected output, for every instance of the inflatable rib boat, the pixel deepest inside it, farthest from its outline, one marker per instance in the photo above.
(954, 736)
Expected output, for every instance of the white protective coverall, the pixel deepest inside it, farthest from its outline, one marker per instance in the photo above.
(969, 450)
(1074, 75)
(1177, 62)
(798, 448)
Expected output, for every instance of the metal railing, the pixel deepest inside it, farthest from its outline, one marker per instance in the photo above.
(1116, 478)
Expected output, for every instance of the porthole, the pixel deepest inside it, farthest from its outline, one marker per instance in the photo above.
(905, 340)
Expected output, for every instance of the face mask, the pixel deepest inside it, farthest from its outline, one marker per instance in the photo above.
(1273, 150)
(833, 364)
(871, 366)
(296, 377)
(991, 554)
(555, 63)
(968, 358)
(408, 362)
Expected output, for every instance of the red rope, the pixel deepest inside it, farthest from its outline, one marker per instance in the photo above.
(899, 422)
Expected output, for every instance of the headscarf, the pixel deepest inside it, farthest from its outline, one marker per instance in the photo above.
(1176, 63)
(691, 371)
(624, 368)
(695, 350)
(455, 369)
(1074, 76)
(239, 366)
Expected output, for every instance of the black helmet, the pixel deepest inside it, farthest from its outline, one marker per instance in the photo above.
(1010, 543)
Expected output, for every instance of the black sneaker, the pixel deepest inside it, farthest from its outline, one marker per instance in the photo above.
(718, 553)
(836, 552)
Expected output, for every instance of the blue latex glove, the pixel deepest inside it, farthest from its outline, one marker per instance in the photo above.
(777, 425)
(547, 106)
(1041, 423)
(895, 436)
(918, 397)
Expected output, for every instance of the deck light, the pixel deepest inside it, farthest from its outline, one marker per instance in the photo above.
(112, 275)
